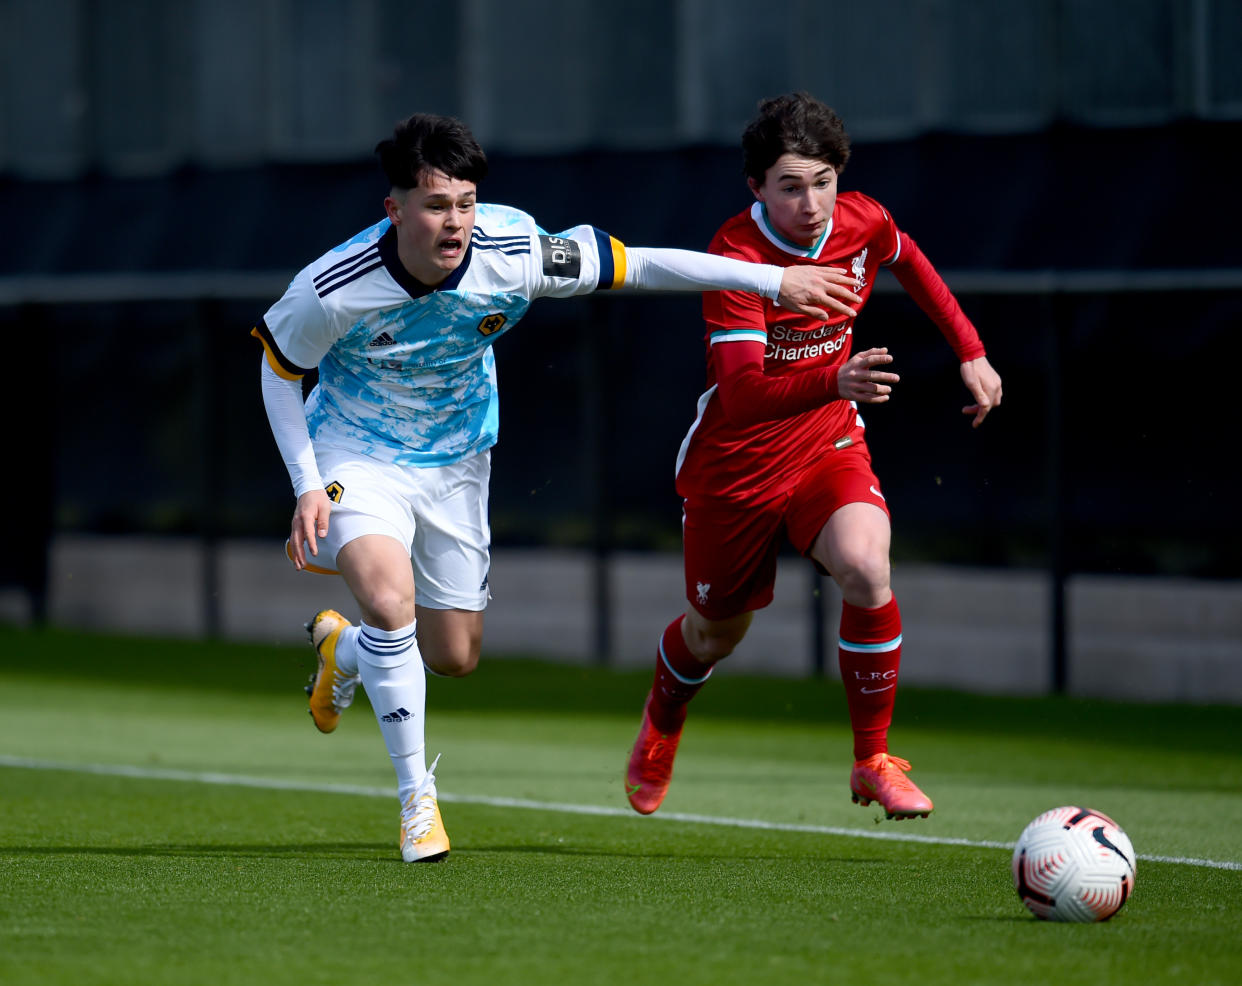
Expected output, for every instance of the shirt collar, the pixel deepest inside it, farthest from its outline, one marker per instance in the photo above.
(759, 213)
(412, 286)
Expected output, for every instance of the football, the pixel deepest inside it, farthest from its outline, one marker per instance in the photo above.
(1073, 864)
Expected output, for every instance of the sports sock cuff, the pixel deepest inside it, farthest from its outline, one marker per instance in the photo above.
(868, 629)
(346, 653)
(676, 656)
(386, 648)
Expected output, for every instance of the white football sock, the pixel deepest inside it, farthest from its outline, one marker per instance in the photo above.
(347, 650)
(393, 676)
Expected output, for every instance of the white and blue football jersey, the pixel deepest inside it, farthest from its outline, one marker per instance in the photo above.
(406, 371)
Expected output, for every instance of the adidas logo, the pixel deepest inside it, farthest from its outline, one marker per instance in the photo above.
(399, 716)
(381, 340)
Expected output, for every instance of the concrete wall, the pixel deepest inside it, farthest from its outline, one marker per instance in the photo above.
(983, 630)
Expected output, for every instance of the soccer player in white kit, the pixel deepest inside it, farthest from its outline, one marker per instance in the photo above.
(389, 456)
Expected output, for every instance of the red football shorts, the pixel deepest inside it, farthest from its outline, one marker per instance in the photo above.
(730, 548)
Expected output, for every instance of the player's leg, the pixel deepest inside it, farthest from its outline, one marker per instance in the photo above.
(854, 547)
(369, 533)
(450, 639)
(377, 570)
(364, 506)
(445, 569)
(840, 520)
(730, 567)
(688, 650)
(451, 557)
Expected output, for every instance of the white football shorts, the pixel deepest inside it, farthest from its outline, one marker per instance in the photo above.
(438, 512)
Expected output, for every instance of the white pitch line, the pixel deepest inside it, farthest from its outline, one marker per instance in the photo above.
(359, 790)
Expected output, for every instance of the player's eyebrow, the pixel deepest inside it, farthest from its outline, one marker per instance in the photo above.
(796, 177)
(441, 197)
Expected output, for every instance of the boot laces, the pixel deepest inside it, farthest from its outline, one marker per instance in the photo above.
(418, 817)
(893, 770)
(343, 686)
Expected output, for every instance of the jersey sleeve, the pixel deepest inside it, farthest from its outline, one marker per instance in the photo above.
(282, 399)
(586, 259)
(932, 295)
(577, 261)
(887, 239)
(296, 331)
(749, 396)
(664, 269)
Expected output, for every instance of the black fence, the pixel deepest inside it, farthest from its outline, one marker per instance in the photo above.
(1109, 454)
(1101, 269)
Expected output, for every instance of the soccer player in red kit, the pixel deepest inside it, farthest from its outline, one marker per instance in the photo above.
(777, 449)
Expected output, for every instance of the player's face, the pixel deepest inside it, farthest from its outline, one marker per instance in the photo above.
(434, 221)
(799, 194)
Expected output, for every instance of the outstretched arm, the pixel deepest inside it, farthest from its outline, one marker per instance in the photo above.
(806, 289)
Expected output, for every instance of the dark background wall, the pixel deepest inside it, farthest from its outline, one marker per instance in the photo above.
(153, 412)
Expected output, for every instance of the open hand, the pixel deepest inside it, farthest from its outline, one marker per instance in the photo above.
(818, 291)
(861, 380)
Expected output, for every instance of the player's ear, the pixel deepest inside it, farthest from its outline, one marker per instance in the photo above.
(755, 188)
(393, 208)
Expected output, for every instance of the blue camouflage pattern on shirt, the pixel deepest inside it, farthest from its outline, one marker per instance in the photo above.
(411, 378)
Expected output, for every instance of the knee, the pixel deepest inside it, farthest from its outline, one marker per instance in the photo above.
(864, 578)
(452, 665)
(716, 641)
(713, 649)
(454, 659)
(388, 609)
(450, 640)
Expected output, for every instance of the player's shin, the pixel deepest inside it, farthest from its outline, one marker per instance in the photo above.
(395, 682)
(870, 655)
(678, 678)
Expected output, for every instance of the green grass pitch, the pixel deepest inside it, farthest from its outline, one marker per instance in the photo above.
(168, 814)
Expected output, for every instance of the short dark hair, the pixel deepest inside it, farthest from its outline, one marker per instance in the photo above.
(424, 143)
(796, 123)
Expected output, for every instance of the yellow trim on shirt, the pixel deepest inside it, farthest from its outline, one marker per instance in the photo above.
(618, 262)
(272, 359)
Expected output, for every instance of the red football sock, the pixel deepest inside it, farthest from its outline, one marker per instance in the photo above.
(869, 655)
(678, 677)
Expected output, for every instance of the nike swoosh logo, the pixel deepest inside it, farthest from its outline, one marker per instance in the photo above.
(872, 691)
(633, 789)
(1102, 839)
(878, 493)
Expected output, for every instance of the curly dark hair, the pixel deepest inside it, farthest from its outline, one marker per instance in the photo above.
(796, 123)
(424, 143)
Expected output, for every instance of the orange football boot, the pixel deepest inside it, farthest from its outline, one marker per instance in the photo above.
(883, 778)
(651, 765)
